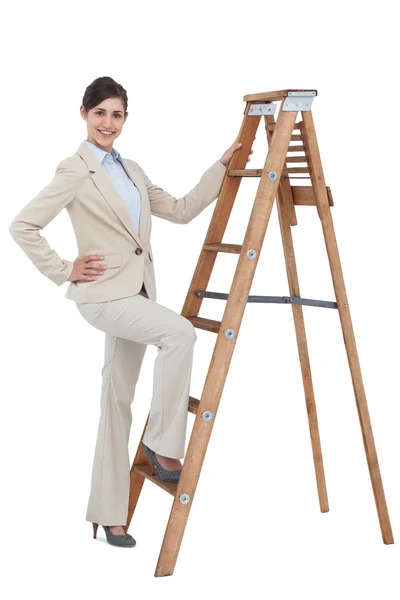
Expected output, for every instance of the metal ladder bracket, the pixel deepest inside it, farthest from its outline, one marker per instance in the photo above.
(262, 109)
(296, 101)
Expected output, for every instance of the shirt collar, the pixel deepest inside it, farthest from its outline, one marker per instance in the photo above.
(102, 155)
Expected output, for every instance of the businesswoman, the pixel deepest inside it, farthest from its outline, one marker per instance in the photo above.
(110, 201)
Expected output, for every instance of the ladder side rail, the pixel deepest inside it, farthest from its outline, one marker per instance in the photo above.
(321, 195)
(221, 214)
(225, 343)
(287, 217)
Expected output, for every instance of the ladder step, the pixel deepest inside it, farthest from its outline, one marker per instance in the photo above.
(271, 126)
(231, 248)
(245, 172)
(304, 195)
(207, 324)
(296, 170)
(193, 405)
(145, 471)
(258, 172)
(296, 159)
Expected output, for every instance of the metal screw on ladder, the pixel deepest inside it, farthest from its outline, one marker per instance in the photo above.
(251, 254)
(184, 498)
(272, 176)
(207, 415)
(229, 333)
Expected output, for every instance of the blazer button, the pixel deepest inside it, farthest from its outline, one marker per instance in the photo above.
(138, 251)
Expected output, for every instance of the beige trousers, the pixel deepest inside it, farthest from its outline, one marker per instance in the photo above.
(130, 324)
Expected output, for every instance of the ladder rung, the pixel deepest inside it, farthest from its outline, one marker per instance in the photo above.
(271, 126)
(296, 149)
(258, 172)
(146, 471)
(296, 138)
(193, 405)
(296, 170)
(207, 324)
(296, 159)
(230, 248)
(245, 172)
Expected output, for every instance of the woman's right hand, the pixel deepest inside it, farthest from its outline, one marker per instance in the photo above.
(87, 269)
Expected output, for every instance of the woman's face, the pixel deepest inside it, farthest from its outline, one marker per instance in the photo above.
(106, 116)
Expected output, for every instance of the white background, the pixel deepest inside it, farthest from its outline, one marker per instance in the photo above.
(255, 528)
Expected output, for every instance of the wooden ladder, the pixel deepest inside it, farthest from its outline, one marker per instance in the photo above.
(275, 182)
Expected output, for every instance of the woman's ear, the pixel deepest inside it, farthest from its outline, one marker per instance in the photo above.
(83, 112)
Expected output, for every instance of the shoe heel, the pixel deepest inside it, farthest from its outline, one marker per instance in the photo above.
(95, 527)
(151, 462)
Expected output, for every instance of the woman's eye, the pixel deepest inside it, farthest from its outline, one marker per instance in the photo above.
(100, 113)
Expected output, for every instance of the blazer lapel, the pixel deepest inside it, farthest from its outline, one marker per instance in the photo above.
(144, 206)
(104, 184)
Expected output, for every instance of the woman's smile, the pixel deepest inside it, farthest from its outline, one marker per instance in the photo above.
(106, 133)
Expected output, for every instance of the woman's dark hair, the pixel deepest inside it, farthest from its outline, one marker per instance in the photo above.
(101, 89)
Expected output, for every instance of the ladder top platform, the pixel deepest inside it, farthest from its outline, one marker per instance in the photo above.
(270, 96)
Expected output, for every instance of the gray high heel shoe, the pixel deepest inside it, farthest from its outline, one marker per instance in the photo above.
(123, 541)
(164, 474)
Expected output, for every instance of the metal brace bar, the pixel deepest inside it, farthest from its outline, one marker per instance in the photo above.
(271, 299)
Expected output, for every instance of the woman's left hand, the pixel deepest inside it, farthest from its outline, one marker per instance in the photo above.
(227, 155)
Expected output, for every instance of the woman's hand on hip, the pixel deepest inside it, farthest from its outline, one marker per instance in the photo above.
(87, 269)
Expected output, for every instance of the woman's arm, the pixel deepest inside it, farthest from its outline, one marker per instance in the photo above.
(183, 210)
(37, 214)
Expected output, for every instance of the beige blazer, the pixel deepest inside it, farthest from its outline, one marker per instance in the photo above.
(102, 224)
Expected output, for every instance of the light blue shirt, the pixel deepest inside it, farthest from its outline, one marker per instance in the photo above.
(120, 180)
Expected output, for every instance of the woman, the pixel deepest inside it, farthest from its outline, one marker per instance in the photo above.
(110, 201)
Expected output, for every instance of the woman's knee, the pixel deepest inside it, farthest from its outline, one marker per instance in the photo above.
(188, 329)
